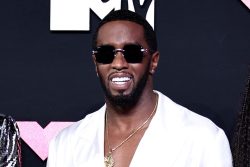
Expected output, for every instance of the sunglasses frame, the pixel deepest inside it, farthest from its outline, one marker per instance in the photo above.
(122, 50)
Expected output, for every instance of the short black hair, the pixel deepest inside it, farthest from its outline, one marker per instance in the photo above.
(127, 15)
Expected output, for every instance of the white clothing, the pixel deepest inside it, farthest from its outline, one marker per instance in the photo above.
(176, 137)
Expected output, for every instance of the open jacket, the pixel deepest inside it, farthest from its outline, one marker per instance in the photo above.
(176, 137)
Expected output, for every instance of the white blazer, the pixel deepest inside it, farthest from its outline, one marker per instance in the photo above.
(176, 137)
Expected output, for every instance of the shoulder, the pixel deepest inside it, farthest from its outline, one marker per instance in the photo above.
(85, 128)
(68, 141)
(79, 128)
(180, 116)
(201, 136)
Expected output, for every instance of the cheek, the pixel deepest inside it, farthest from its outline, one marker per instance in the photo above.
(141, 69)
(102, 71)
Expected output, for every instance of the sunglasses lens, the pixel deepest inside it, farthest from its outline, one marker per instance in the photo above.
(104, 54)
(133, 53)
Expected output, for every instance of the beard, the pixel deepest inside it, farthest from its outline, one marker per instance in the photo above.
(129, 100)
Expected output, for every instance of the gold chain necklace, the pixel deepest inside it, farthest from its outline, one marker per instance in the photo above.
(108, 159)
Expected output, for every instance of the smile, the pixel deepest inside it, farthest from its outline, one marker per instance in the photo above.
(120, 80)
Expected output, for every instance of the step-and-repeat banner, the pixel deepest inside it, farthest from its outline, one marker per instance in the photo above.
(48, 80)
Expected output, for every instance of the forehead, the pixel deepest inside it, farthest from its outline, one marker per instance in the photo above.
(119, 32)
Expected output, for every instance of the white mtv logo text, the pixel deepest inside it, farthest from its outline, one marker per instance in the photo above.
(66, 15)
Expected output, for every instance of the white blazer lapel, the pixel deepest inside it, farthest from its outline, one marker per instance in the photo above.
(89, 148)
(163, 140)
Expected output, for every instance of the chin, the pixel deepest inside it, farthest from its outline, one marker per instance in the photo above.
(122, 100)
(121, 93)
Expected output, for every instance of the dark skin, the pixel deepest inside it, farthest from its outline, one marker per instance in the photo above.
(123, 120)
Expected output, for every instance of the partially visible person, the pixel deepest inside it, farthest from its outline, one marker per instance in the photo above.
(241, 141)
(10, 145)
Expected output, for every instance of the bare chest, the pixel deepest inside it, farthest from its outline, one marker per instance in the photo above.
(119, 152)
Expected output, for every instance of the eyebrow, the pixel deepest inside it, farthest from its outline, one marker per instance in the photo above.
(129, 43)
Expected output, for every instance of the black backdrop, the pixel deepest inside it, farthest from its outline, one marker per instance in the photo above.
(49, 76)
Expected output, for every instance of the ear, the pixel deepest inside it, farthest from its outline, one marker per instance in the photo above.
(154, 62)
(93, 57)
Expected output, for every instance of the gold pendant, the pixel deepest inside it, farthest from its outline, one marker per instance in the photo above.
(109, 161)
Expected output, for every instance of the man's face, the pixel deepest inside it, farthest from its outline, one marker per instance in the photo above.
(123, 82)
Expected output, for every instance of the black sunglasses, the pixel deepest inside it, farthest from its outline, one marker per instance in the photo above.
(132, 53)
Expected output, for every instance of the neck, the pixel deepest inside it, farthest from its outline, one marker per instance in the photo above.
(125, 119)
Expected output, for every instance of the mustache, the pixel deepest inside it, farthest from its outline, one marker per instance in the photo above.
(120, 74)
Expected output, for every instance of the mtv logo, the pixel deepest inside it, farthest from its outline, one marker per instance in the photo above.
(38, 138)
(74, 15)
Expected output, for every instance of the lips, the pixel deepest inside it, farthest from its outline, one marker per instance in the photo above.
(120, 81)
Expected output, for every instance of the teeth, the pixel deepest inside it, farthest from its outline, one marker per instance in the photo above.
(120, 79)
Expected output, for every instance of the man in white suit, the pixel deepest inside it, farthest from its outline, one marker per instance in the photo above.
(137, 126)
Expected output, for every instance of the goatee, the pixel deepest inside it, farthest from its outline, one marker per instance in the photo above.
(126, 101)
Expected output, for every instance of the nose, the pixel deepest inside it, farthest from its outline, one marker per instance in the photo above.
(119, 62)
